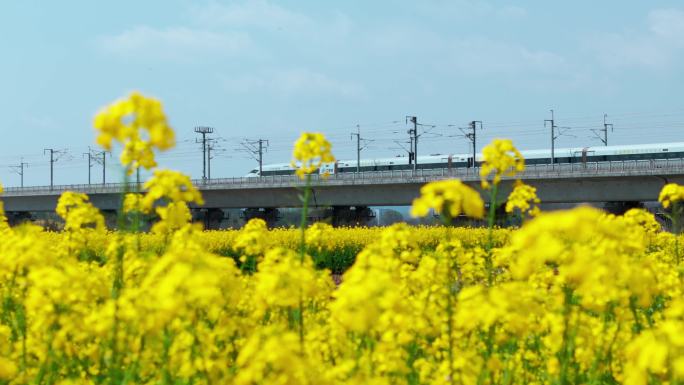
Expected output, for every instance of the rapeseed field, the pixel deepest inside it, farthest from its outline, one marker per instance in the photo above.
(576, 296)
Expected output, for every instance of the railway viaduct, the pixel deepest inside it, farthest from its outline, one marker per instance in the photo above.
(350, 194)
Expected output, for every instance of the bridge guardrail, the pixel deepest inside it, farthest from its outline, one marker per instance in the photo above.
(589, 169)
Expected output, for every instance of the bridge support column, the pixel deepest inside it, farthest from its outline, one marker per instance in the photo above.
(619, 208)
(268, 214)
(18, 217)
(210, 217)
(351, 215)
(111, 218)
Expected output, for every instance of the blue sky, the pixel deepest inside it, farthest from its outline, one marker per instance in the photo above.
(266, 69)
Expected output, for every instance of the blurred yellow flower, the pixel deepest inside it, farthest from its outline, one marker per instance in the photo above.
(132, 203)
(77, 211)
(448, 197)
(172, 185)
(524, 198)
(642, 218)
(670, 194)
(311, 151)
(501, 158)
(123, 120)
(3, 217)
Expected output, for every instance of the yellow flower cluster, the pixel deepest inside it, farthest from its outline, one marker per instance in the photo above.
(501, 158)
(577, 296)
(3, 217)
(670, 194)
(449, 198)
(177, 190)
(252, 239)
(311, 151)
(524, 198)
(80, 218)
(123, 120)
(574, 296)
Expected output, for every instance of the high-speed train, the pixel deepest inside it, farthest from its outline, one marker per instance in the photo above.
(561, 156)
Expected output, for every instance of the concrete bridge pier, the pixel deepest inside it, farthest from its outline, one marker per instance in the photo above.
(269, 214)
(210, 217)
(111, 218)
(18, 217)
(621, 207)
(351, 215)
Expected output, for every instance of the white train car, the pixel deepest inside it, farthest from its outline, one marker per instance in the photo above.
(532, 157)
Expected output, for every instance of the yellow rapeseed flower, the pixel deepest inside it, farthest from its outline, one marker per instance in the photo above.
(132, 202)
(123, 120)
(252, 238)
(3, 217)
(172, 185)
(671, 193)
(77, 211)
(643, 218)
(501, 158)
(448, 197)
(524, 198)
(8, 369)
(311, 151)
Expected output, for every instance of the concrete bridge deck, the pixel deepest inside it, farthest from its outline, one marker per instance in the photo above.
(564, 183)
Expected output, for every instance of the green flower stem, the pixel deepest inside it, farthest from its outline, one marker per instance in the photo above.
(446, 219)
(491, 218)
(302, 252)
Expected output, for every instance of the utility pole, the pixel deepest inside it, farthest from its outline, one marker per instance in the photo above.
(52, 162)
(90, 162)
(413, 134)
(473, 138)
(605, 129)
(256, 149)
(359, 139)
(210, 147)
(104, 167)
(20, 170)
(204, 130)
(553, 138)
(261, 154)
(101, 158)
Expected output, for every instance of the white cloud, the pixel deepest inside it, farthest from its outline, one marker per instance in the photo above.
(511, 12)
(292, 82)
(251, 13)
(173, 43)
(469, 9)
(658, 47)
(667, 24)
(466, 54)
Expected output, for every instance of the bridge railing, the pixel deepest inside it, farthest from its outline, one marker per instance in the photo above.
(612, 168)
